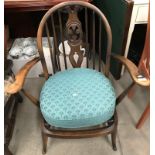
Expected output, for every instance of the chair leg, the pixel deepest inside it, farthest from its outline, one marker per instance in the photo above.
(114, 133)
(44, 140)
(143, 117)
(113, 138)
(131, 92)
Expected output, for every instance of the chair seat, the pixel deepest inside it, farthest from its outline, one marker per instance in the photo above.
(76, 98)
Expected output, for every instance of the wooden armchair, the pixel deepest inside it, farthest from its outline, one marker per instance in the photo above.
(144, 69)
(77, 102)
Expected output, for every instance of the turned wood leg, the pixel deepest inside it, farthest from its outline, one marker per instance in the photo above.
(114, 133)
(113, 138)
(143, 117)
(44, 140)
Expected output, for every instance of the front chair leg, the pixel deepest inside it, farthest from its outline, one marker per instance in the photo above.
(44, 140)
(114, 132)
(113, 138)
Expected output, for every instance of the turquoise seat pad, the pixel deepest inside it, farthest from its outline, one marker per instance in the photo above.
(78, 97)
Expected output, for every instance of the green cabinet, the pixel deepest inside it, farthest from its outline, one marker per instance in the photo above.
(118, 13)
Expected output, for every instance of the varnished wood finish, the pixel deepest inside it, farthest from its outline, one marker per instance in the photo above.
(50, 47)
(80, 133)
(114, 133)
(144, 116)
(20, 77)
(124, 93)
(31, 5)
(94, 50)
(86, 29)
(77, 36)
(74, 32)
(144, 68)
(62, 38)
(100, 32)
(44, 141)
(31, 98)
(133, 70)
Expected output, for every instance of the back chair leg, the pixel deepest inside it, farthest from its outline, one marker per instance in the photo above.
(44, 140)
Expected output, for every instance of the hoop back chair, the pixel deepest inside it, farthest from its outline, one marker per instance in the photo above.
(78, 102)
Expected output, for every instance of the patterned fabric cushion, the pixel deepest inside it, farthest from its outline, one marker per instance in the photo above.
(77, 98)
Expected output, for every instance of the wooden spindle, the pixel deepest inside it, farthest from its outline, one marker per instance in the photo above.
(93, 40)
(86, 30)
(56, 52)
(62, 38)
(50, 46)
(100, 34)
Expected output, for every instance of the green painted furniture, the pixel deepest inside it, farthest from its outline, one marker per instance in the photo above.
(118, 13)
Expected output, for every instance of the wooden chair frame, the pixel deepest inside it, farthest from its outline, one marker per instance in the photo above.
(109, 127)
(144, 68)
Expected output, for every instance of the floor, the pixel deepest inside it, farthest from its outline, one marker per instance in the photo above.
(130, 141)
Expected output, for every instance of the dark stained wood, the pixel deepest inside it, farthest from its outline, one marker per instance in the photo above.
(55, 52)
(31, 5)
(79, 133)
(86, 29)
(124, 93)
(74, 34)
(94, 49)
(44, 140)
(114, 133)
(50, 47)
(31, 98)
(76, 39)
(62, 38)
(100, 33)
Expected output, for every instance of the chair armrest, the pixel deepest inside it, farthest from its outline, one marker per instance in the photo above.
(132, 69)
(20, 77)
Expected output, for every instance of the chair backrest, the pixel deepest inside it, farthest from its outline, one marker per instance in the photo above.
(76, 28)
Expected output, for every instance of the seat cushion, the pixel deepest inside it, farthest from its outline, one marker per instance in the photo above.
(76, 98)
